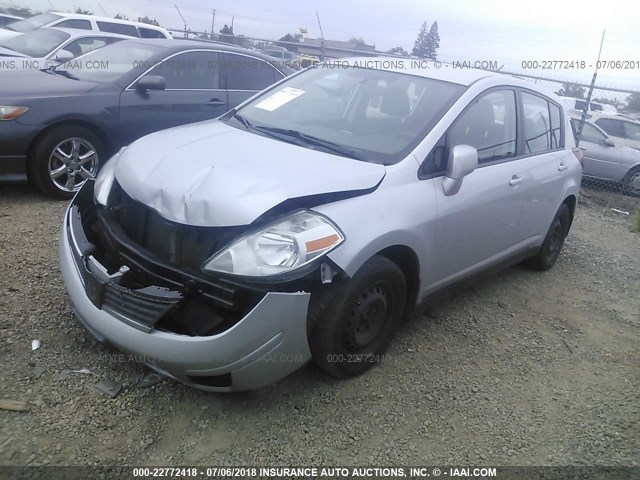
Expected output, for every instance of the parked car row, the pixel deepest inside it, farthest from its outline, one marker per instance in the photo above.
(60, 124)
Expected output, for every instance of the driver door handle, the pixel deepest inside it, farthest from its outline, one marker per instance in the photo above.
(516, 180)
(562, 167)
(215, 102)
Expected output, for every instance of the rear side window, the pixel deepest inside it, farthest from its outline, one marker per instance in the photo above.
(80, 24)
(121, 28)
(248, 73)
(631, 130)
(488, 125)
(611, 126)
(150, 33)
(537, 124)
(556, 126)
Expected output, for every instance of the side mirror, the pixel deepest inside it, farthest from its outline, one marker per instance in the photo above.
(63, 56)
(609, 143)
(463, 159)
(151, 82)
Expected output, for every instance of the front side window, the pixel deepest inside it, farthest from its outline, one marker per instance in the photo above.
(121, 28)
(537, 124)
(74, 23)
(31, 23)
(611, 126)
(38, 43)
(591, 134)
(249, 73)
(190, 71)
(489, 126)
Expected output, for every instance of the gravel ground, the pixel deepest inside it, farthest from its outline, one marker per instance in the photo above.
(522, 369)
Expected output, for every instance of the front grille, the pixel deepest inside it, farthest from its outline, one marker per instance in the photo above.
(152, 292)
(182, 245)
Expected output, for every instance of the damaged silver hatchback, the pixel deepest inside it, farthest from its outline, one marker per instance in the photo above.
(308, 222)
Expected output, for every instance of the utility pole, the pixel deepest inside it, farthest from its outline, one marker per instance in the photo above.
(213, 19)
(583, 117)
(232, 19)
(186, 34)
(322, 38)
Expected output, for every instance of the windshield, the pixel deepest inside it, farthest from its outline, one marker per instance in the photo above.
(38, 43)
(108, 63)
(31, 23)
(376, 115)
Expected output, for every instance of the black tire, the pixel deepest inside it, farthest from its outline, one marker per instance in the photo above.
(553, 241)
(351, 322)
(46, 159)
(629, 181)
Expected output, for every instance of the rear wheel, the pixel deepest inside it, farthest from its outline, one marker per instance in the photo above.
(553, 242)
(64, 158)
(351, 323)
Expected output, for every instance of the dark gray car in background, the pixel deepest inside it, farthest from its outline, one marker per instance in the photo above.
(58, 126)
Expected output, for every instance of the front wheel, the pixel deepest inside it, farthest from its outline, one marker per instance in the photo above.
(553, 242)
(351, 322)
(63, 159)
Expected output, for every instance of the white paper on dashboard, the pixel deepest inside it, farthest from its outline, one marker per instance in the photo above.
(280, 98)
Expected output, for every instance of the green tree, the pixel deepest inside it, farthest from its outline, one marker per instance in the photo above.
(149, 21)
(83, 12)
(226, 34)
(433, 41)
(295, 38)
(398, 51)
(427, 42)
(570, 90)
(358, 42)
(119, 16)
(633, 102)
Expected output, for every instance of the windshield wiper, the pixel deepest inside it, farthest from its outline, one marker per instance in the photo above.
(310, 140)
(242, 120)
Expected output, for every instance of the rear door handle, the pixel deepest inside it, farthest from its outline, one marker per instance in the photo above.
(516, 180)
(562, 167)
(215, 102)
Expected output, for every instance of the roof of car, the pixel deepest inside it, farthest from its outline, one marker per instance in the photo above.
(175, 45)
(107, 19)
(617, 116)
(77, 33)
(420, 67)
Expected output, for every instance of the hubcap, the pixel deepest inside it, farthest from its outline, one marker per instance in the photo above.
(634, 183)
(367, 318)
(71, 163)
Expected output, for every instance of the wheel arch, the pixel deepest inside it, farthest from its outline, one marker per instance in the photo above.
(407, 259)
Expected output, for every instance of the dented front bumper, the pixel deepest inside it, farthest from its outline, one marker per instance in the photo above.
(266, 344)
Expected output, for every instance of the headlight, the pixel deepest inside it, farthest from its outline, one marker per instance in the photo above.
(282, 247)
(105, 178)
(9, 113)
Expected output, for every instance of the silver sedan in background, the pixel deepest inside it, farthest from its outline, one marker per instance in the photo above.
(604, 159)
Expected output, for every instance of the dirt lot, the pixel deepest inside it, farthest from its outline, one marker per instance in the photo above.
(523, 369)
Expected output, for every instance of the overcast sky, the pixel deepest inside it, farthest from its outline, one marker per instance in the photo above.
(504, 30)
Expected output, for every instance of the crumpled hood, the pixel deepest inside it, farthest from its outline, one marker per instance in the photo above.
(212, 174)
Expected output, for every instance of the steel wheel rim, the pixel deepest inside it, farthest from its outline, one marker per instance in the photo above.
(367, 318)
(71, 163)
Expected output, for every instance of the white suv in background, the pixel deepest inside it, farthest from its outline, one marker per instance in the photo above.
(83, 22)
